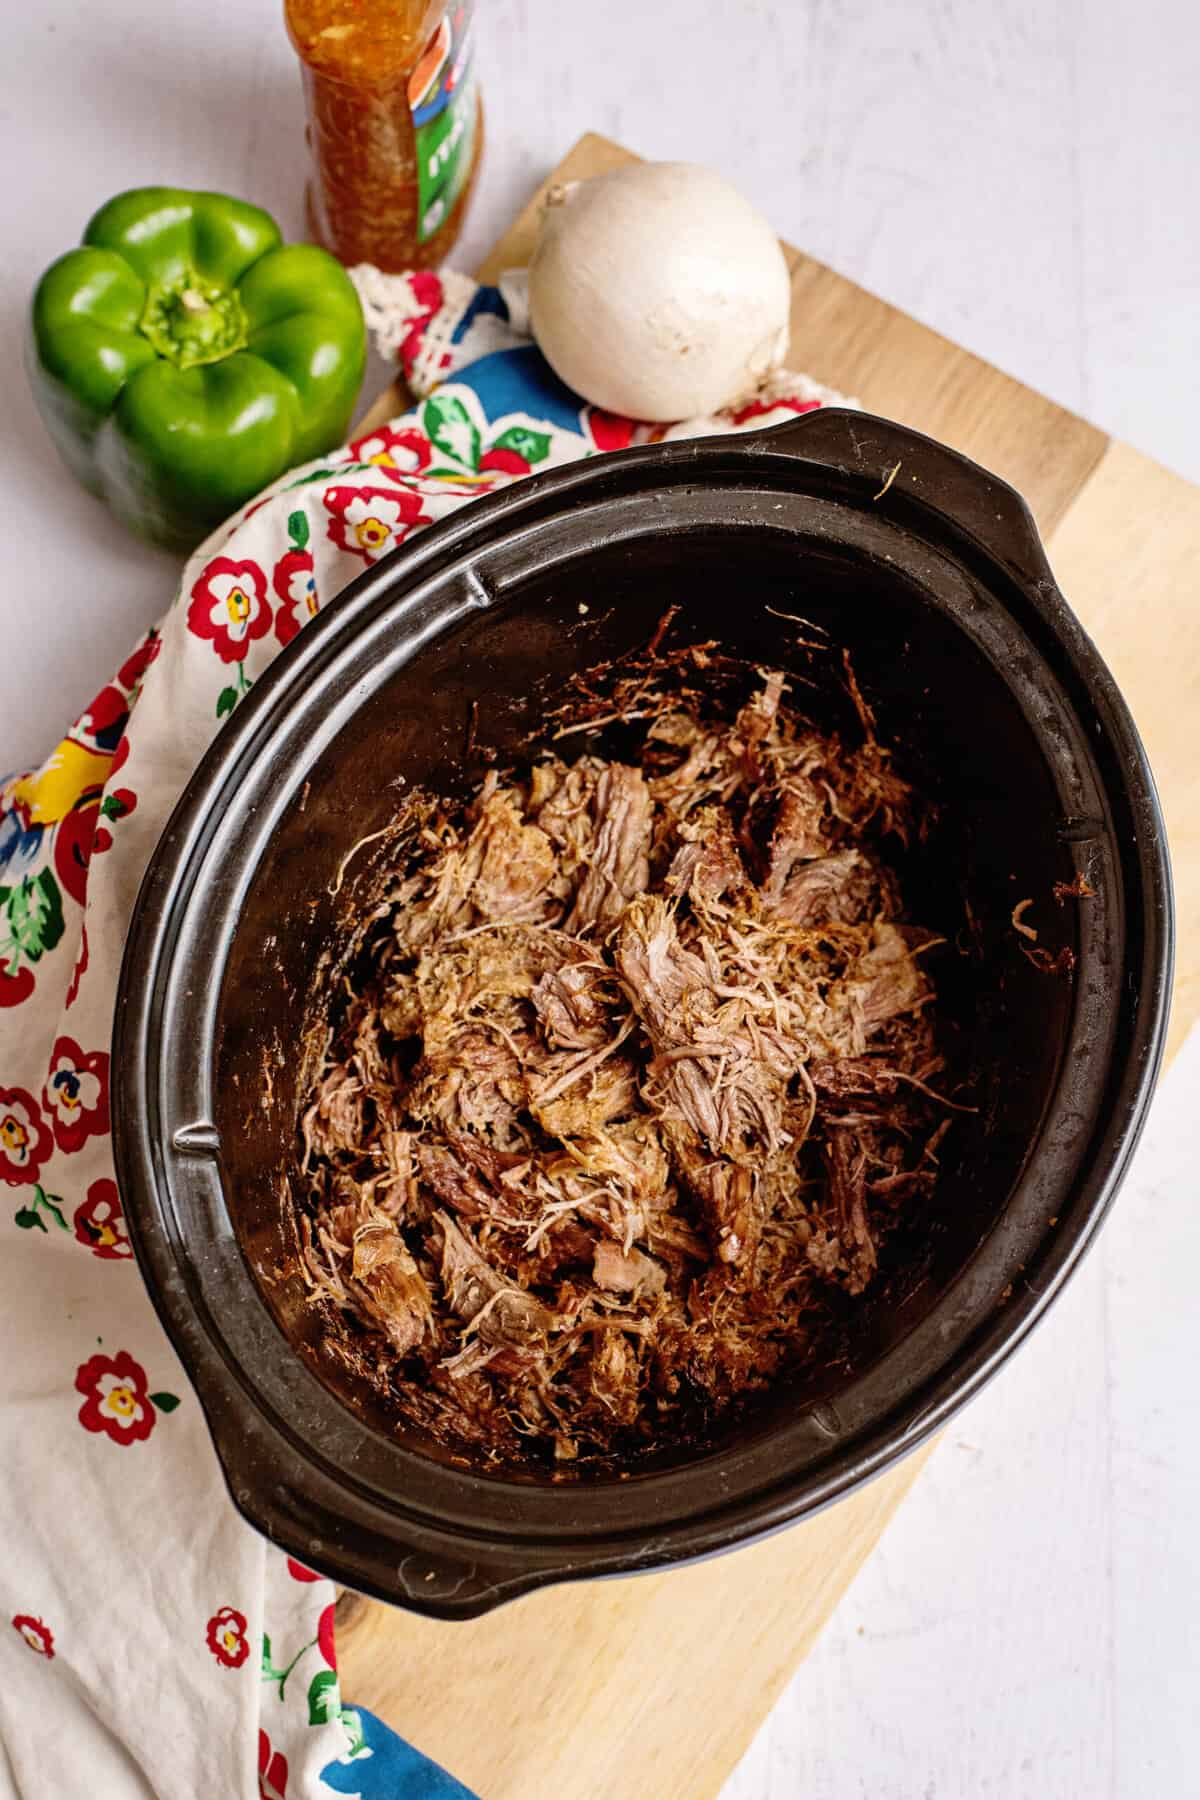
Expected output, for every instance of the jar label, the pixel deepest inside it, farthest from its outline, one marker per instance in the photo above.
(441, 94)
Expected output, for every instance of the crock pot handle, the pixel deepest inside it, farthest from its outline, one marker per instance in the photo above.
(893, 465)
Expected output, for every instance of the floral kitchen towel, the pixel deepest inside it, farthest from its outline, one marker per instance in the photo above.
(155, 1644)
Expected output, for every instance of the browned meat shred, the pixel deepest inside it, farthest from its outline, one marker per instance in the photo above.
(628, 1081)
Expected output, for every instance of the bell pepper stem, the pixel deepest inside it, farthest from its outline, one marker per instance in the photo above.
(190, 324)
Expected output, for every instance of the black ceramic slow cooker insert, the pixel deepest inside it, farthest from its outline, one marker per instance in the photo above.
(971, 658)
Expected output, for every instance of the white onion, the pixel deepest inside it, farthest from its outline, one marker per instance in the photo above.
(658, 291)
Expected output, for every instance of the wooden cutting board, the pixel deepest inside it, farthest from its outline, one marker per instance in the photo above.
(651, 1688)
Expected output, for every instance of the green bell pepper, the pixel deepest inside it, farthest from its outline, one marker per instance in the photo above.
(184, 357)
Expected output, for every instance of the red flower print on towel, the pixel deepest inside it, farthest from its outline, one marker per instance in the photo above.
(25, 1138)
(229, 606)
(325, 1638)
(272, 1770)
(76, 1094)
(368, 522)
(226, 1636)
(117, 803)
(104, 721)
(396, 450)
(73, 842)
(38, 1636)
(298, 1572)
(133, 669)
(756, 409)
(81, 963)
(100, 1223)
(294, 580)
(506, 462)
(427, 295)
(610, 431)
(115, 1398)
(15, 988)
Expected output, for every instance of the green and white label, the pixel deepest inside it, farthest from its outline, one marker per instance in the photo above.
(445, 109)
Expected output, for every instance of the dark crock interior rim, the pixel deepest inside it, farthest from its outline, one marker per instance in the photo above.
(275, 1479)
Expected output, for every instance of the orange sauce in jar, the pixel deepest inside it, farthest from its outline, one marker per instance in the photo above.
(393, 125)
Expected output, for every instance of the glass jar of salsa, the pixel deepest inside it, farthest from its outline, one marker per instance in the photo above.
(393, 125)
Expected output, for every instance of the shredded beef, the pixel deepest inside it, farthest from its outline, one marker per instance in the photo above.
(628, 1082)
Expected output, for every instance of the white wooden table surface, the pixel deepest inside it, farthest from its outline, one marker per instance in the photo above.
(1023, 176)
